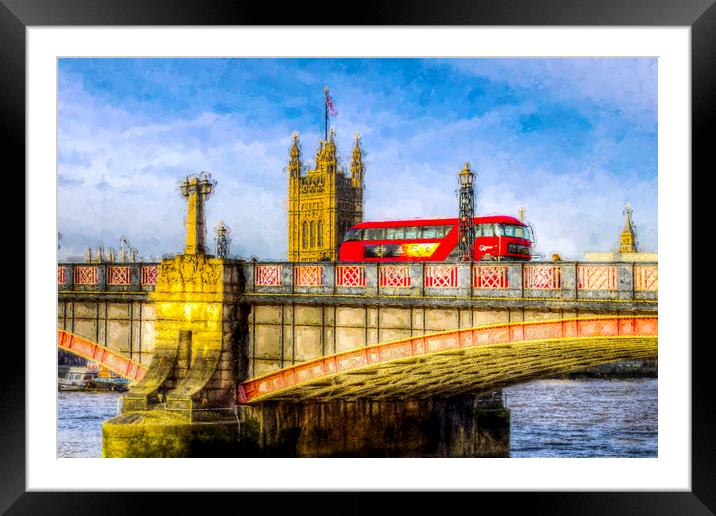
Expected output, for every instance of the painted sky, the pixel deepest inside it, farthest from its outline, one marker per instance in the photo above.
(571, 140)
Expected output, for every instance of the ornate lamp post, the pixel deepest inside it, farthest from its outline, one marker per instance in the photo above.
(222, 240)
(196, 189)
(466, 233)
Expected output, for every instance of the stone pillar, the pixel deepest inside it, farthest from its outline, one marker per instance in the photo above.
(196, 189)
(188, 392)
(199, 337)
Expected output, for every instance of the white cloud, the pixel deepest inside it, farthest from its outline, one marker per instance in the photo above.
(119, 170)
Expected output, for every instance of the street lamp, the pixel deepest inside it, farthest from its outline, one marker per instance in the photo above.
(466, 234)
(196, 189)
(222, 239)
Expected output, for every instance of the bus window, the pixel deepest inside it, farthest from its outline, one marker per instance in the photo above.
(352, 235)
(374, 234)
(484, 230)
(528, 234)
(412, 232)
(394, 233)
(512, 230)
(430, 232)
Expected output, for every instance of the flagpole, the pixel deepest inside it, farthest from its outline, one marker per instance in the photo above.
(325, 113)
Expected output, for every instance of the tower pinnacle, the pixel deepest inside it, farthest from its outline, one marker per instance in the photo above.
(357, 167)
(294, 163)
(627, 240)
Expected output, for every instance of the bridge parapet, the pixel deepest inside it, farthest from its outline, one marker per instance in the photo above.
(516, 280)
(107, 277)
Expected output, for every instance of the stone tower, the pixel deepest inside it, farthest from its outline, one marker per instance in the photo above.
(324, 203)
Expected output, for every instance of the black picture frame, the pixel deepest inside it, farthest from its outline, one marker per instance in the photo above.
(17, 15)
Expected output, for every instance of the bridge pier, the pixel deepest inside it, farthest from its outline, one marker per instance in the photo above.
(465, 426)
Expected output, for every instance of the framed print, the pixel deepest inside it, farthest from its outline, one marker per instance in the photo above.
(279, 276)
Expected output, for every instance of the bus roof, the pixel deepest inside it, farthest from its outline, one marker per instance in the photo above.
(504, 219)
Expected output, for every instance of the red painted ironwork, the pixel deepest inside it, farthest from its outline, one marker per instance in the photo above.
(394, 276)
(489, 276)
(119, 275)
(149, 275)
(86, 275)
(646, 278)
(597, 277)
(268, 276)
(308, 275)
(61, 275)
(447, 341)
(441, 276)
(542, 277)
(350, 275)
(112, 360)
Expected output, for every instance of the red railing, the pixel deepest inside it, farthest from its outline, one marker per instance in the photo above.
(267, 276)
(394, 276)
(542, 277)
(350, 275)
(86, 276)
(119, 275)
(441, 276)
(489, 276)
(308, 275)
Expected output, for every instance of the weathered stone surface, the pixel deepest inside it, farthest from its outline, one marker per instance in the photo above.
(350, 316)
(308, 315)
(437, 319)
(458, 427)
(349, 338)
(308, 342)
(402, 428)
(395, 318)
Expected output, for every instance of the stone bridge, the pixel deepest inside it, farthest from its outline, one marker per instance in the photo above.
(299, 312)
(221, 337)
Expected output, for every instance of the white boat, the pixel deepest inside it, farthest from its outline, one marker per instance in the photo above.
(76, 379)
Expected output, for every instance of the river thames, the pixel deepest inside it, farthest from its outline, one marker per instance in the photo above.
(550, 418)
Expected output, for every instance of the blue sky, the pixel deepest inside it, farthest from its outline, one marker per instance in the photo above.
(571, 140)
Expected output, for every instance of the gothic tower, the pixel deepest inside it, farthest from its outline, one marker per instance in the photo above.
(627, 239)
(324, 203)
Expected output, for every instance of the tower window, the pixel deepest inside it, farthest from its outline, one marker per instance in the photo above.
(304, 239)
(313, 234)
(320, 234)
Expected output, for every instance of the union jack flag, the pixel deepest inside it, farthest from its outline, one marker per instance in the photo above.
(331, 107)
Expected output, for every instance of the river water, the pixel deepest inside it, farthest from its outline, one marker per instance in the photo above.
(550, 418)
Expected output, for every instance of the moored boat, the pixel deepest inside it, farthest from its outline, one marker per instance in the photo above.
(90, 379)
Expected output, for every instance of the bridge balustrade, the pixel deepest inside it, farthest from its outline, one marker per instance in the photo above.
(549, 280)
(532, 280)
(106, 277)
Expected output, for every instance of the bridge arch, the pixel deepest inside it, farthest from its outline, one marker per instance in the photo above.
(462, 361)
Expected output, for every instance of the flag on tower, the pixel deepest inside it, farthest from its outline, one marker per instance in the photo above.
(331, 107)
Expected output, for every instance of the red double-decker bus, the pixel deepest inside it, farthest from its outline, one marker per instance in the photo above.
(497, 237)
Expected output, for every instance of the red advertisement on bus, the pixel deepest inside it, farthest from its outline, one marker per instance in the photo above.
(497, 237)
